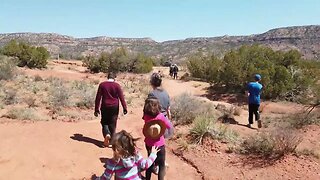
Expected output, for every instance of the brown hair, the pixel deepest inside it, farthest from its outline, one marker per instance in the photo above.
(155, 80)
(124, 144)
(112, 75)
(152, 106)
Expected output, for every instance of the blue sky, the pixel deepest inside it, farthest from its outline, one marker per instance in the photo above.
(159, 19)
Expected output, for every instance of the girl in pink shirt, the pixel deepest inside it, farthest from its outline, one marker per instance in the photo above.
(152, 111)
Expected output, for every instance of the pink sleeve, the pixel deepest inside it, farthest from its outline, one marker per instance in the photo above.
(166, 121)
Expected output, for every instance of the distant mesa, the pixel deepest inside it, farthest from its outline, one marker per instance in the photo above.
(306, 39)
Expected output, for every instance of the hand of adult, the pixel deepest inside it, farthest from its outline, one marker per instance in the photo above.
(96, 113)
(125, 111)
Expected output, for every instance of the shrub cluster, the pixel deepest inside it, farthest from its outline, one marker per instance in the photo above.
(30, 56)
(185, 108)
(119, 61)
(285, 74)
(275, 143)
(205, 126)
(7, 68)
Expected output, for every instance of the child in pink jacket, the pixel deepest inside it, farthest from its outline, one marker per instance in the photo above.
(152, 111)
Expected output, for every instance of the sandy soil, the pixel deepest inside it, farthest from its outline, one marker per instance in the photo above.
(62, 150)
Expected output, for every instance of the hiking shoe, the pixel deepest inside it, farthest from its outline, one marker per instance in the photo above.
(166, 165)
(249, 126)
(259, 124)
(107, 140)
(155, 170)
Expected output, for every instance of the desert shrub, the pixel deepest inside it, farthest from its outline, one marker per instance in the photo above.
(84, 93)
(7, 68)
(201, 127)
(10, 97)
(70, 114)
(309, 152)
(30, 101)
(285, 74)
(141, 64)
(87, 100)
(30, 56)
(37, 78)
(237, 111)
(300, 120)
(223, 133)
(185, 108)
(119, 61)
(23, 114)
(204, 126)
(274, 143)
(59, 95)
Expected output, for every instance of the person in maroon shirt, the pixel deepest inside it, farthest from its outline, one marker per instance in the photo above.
(107, 102)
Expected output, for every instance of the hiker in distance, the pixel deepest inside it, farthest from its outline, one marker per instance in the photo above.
(254, 91)
(107, 103)
(175, 71)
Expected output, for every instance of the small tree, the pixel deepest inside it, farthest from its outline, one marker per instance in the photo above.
(143, 64)
(30, 56)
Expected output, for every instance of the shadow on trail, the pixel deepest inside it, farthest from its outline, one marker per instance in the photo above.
(216, 93)
(80, 137)
(245, 125)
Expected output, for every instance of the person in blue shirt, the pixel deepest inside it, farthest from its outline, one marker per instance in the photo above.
(254, 91)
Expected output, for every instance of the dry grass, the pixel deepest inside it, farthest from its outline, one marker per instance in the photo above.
(24, 114)
(309, 152)
(274, 143)
(185, 108)
(300, 120)
(7, 68)
(204, 126)
(10, 97)
(30, 101)
(237, 111)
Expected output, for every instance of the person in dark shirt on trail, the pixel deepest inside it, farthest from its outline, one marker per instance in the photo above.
(254, 91)
(175, 71)
(107, 102)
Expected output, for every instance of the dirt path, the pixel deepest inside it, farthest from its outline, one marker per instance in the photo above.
(60, 150)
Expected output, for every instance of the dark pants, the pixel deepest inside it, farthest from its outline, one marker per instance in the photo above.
(109, 117)
(175, 75)
(254, 109)
(160, 161)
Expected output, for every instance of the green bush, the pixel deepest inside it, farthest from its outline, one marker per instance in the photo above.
(7, 68)
(201, 127)
(30, 56)
(142, 64)
(205, 126)
(284, 74)
(119, 61)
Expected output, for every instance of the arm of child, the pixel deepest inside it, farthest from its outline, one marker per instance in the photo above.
(167, 122)
(107, 175)
(144, 164)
